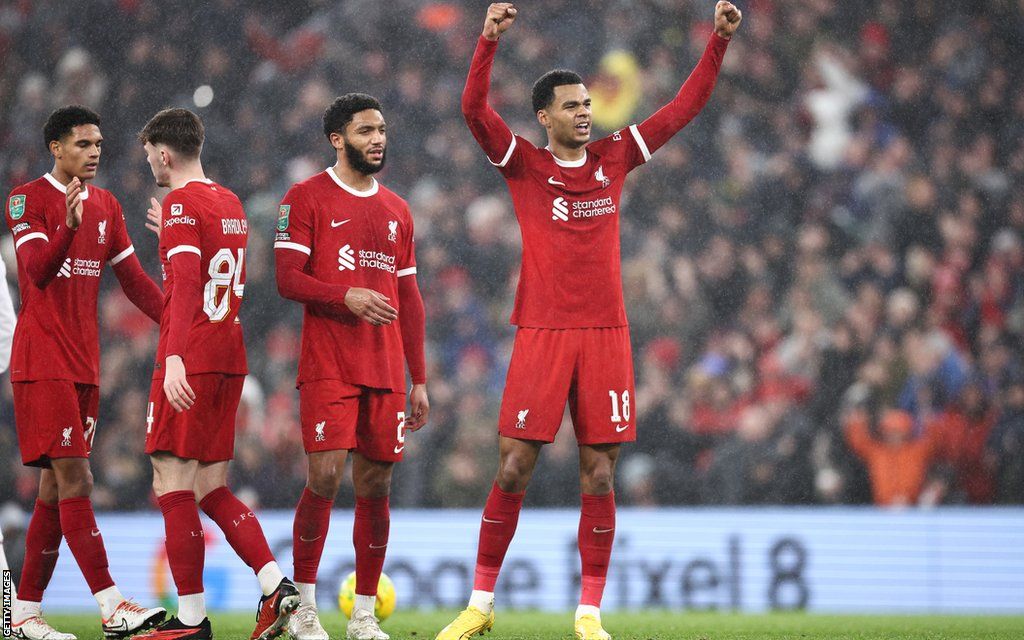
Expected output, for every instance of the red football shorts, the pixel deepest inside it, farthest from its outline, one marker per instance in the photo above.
(55, 419)
(591, 369)
(337, 415)
(206, 432)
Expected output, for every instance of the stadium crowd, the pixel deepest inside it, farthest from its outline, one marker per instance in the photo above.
(824, 272)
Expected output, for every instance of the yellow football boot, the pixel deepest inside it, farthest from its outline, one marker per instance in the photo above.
(471, 622)
(589, 628)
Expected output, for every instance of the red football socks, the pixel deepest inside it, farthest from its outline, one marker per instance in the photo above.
(498, 525)
(42, 542)
(596, 533)
(370, 538)
(240, 526)
(78, 523)
(186, 550)
(309, 533)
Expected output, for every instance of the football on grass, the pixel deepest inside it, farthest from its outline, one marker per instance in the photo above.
(385, 596)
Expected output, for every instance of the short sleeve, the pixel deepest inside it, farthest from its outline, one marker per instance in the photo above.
(25, 218)
(120, 244)
(180, 230)
(407, 258)
(295, 222)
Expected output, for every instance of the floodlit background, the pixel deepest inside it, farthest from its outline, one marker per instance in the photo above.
(838, 234)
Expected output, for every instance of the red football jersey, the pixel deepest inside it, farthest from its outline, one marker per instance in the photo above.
(568, 214)
(569, 211)
(57, 336)
(357, 239)
(206, 219)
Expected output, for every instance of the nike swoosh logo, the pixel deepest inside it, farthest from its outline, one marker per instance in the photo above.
(596, 530)
(493, 521)
(310, 539)
(338, 224)
(399, 449)
(51, 552)
(378, 546)
(551, 180)
(622, 428)
(95, 532)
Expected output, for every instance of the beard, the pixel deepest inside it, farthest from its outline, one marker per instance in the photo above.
(357, 160)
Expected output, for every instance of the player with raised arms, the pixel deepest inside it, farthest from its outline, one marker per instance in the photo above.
(572, 342)
(197, 381)
(344, 248)
(65, 233)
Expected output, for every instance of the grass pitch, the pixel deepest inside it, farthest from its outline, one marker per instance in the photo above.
(652, 625)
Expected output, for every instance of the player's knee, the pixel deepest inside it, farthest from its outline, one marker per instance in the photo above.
(75, 484)
(514, 473)
(325, 482)
(597, 481)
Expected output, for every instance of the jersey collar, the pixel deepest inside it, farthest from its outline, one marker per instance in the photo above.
(372, 191)
(200, 180)
(569, 163)
(59, 187)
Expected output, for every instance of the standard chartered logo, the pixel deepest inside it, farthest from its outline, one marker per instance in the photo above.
(349, 258)
(560, 209)
(346, 258)
(79, 267)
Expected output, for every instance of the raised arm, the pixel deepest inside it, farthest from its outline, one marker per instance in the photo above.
(656, 130)
(41, 255)
(490, 131)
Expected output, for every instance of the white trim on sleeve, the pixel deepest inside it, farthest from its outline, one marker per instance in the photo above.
(508, 154)
(640, 142)
(184, 248)
(408, 271)
(294, 246)
(30, 236)
(124, 254)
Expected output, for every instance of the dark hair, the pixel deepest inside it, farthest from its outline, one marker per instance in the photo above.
(179, 129)
(63, 120)
(343, 108)
(544, 88)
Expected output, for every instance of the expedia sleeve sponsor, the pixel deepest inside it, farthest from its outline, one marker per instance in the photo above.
(170, 222)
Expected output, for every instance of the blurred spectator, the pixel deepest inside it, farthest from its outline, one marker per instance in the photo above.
(897, 461)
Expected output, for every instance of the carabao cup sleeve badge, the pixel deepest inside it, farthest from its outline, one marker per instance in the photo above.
(16, 206)
(282, 217)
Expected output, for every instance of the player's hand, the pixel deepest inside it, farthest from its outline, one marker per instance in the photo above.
(370, 306)
(179, 394)
(727, 19)
(419, 408)
(73, 200)
(154, 215)
(500, 17)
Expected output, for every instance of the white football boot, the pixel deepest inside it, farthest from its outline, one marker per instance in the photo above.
(305, 624)
(364, 626)
(36, 628)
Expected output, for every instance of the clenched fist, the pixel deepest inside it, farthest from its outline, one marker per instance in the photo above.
(500, 17)
(727, 19)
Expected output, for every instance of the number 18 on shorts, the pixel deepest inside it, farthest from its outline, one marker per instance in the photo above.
(591, 370)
